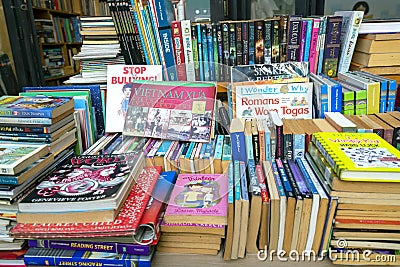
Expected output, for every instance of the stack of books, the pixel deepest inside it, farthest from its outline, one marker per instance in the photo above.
(196, 215)
(38, 120)
(377, 51)
(100, 48)
(362, 171)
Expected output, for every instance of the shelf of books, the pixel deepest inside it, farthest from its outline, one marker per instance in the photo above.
(250, 143)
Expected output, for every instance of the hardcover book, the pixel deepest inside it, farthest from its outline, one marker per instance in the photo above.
(292, 100)
(35, 107)
(171, 110)
(359, 156)
(119, 88)
(198, 198)
(15, 157)
(90, 182)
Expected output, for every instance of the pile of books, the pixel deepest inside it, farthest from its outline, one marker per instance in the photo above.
(195, 218)
(362, 171)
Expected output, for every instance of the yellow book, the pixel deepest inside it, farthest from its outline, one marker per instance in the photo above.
(359, 156)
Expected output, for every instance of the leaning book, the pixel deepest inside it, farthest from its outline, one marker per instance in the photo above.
(171, 110)
(86, 182)
(15, 157)
(359, 156)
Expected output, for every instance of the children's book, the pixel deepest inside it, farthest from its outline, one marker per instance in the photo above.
(171, 110)
(86, 182)
(359, 156)
(198, 198)
(15, 157)
(119, 87)
(35, 107)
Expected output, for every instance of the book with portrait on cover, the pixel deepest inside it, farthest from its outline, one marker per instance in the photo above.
(171, 110)
(198, 198)
(359, 156)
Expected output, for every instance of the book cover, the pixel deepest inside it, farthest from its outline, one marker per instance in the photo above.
(34, 107)
(359, 156)
(293, 38)
(172, 110)
(292, 100)
(332, 45)
(15, 157)
(91, 182)
(119, 87)
(59, 257)
(287, 72)
(198, 198)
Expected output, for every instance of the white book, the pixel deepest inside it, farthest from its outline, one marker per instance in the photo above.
(188, 49)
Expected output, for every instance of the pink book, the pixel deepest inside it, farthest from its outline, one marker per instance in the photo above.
(198, 198)
(313, 45)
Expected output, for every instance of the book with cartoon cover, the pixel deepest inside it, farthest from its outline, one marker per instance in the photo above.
(198, 198)
(171, 110)
(359, 156)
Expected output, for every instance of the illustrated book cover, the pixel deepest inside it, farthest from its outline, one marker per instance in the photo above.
(171, 110)
(125, 224)
(198, 198)
(119, 87)
(359, 156)
(34, 107)
(15, 157)
(292, 100)
(86, 182)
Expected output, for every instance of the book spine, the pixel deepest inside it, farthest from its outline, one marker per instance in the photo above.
(215, 46)
(156, 36)
(239, 43)
(204, 45)
(283, 38)
(78, 259)
(256, 148)
(294, 38)
(24, 129)
(288, 145)
(332, 46)
(279, 142)
(259, 42)
(210, 51)
(232, 44)
(268, 154)
(149, 34)
(308, 40)
(251, 42)
(18, 120)
(200, 52)
(351, 26)
(178, 50)
(313, 45)
(119, 248)
(275, 41)
(392, 95)
(284, 178)
(166, 40)
(188, 49)
(267, 41)
(220, 53)
(9, 180)
(25, 139)
(321, 44)
(245, 42)
(261, 145)
(195, 53)
(140, 31)
(303, 36)
(254, 185)
(238, 146)
(226, 51)
(26, 113)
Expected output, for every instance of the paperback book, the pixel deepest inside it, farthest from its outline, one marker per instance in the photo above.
(86, 182)
(171, 110)
(119, 87)
(198, 198)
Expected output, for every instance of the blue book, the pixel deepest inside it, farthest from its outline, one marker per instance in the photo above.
(95, 95)
(210, 49)
(238, 140)
(166, 41)
(251, 43)
(322, 32)
(321, 91)
(200, 52)
(308, 40)
(335, 97)
(61, 257)
(204, 44)
(164, 186)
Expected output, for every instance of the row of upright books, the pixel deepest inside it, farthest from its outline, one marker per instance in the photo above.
(200, 51)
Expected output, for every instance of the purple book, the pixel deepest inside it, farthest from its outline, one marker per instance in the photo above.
(116, 247)
(298, 177)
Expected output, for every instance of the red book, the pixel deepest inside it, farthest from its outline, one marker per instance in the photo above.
(178, 50)
(125, 224)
